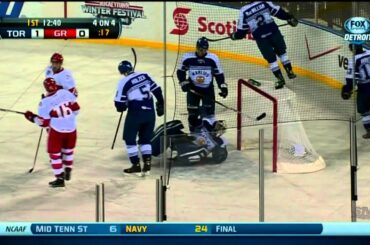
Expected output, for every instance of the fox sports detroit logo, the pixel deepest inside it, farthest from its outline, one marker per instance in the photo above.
(358, 29)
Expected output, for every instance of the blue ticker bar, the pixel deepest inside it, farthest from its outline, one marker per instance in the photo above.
(184, 229)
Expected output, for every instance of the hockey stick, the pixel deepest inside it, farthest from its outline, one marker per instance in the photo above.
(7, 110)
(37, 152)
(229, 37)
(120, 117)
(260, 117)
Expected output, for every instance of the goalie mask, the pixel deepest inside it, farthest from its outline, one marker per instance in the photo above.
(220, 128)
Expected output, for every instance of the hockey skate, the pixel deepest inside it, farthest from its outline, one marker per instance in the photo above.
(147, 166)
(67, 173)
(366, 136)
(59, 182)
(291, 74)
(280, 83)
(135, 169)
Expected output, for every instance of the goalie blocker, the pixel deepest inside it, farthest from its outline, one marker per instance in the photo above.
(206, 144)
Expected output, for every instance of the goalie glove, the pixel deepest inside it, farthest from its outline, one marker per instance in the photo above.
(346, 92)
(292, 21)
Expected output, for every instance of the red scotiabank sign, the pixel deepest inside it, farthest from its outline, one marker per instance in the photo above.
(204, 24)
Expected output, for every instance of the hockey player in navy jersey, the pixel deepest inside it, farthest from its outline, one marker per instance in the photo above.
(256, 18)
(134, 94)
(202, 67)
(361, 68)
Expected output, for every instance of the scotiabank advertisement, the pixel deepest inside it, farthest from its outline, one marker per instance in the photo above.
(316, 53)
(184, 20)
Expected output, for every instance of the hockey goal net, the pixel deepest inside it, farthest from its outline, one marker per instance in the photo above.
(292, 151)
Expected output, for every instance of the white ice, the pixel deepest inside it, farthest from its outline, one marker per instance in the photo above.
(225, 192)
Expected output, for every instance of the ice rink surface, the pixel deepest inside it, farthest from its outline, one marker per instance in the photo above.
(225, 192)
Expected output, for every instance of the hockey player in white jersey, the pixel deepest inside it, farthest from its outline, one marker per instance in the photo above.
(57, 111)
(196, 73)
(61, 75)
(360, 71)
(257, 18)
(134, 93)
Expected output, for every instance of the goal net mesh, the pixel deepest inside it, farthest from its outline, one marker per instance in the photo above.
(313, 95)
(316, 100)
(291, 148)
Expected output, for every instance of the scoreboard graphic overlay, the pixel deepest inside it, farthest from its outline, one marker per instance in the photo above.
(184, 229)
(60, 28)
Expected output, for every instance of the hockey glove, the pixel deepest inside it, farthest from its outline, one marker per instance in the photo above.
(185, 85)
(292, 21)
(120, 106)
(224, 91)
(30, 116)
(346, 92)
(232, 36)
(159, 109)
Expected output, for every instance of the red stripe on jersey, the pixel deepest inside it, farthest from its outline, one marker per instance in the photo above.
(74, 106)
(57, 166)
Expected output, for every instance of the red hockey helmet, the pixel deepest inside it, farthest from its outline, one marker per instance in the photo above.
(50, 85)
(57, 57)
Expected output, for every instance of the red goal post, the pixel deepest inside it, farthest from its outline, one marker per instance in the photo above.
(249, 85)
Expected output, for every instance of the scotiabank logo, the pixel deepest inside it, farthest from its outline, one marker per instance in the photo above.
(216, 27)
(204, 25)
(219, 28)
(180, 20)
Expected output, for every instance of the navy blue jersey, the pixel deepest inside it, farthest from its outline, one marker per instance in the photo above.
(362, 71)
(135, 92)
(256, 18)
(201, 70)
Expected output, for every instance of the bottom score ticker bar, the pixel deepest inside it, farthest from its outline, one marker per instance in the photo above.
(185, 229)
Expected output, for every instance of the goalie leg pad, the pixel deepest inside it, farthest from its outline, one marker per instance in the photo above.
(219, 154)
(190, 152)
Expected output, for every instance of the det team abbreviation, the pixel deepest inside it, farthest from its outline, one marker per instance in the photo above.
(60, 28)
(155, 229)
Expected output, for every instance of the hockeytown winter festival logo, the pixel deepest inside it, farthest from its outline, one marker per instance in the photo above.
(121, 10)
(358, 29)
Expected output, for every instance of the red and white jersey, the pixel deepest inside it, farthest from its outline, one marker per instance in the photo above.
(63, 78)
(58, 111)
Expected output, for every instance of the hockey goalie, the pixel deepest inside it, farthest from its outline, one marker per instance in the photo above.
(205, 145)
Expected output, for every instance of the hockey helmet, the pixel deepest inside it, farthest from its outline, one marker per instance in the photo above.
(125, 67)
(50, 85)
(57, 57)
(203, 43)
(358, 48)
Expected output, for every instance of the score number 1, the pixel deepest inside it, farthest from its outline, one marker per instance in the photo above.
(37, 33)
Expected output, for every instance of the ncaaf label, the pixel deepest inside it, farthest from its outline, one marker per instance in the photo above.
(136, 229)
(12, 229)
